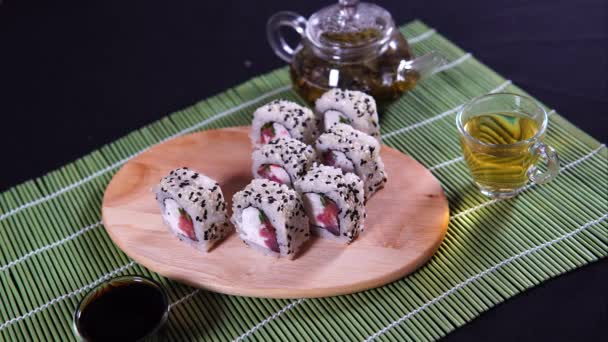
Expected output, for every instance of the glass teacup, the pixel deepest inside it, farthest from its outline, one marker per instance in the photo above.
(501, 136)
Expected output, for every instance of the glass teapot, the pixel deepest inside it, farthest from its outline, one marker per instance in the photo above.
(350, 45)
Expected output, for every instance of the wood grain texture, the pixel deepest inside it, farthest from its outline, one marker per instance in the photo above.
(406, 223)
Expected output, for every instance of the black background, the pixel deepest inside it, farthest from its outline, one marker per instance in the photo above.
(75, 75)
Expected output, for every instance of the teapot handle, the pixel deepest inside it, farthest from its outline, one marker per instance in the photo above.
(275, 38)
(424, 65)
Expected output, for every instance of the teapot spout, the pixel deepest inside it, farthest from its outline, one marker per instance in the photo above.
(423, 66)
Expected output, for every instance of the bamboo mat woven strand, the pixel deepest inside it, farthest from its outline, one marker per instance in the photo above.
(53, 247)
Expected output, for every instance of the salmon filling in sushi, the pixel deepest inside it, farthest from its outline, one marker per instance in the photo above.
(283, 160)
(179, 220)
(351, 150)
(270, 218)
(350, 107)
(334, 202)
(271, 130)
(286, 119)
(258, 229)
(338, 159)
(274, 173)
(193, 208)
(322, 212)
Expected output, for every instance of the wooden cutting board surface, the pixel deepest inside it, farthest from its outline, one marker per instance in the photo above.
(405, 225)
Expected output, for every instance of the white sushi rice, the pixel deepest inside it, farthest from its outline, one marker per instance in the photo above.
(345, 190)
(201, 198)
(357, 107)
(292, 155)
(360, 149)
(284, 209)
(299, 121)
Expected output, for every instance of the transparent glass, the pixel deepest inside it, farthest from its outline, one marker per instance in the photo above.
(349, 45)
(501, 136)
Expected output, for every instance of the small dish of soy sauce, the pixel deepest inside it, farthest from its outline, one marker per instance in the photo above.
(128, 308)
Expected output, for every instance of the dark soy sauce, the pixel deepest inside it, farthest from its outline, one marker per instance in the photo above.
(122, 310)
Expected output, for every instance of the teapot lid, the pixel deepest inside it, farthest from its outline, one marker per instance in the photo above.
(349, 24)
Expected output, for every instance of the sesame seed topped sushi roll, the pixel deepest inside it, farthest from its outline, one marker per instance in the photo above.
(283, 119)
(333, 201)
(193, 208)
(344, 147)
(282, 160)
(270, 218)
(350, 107)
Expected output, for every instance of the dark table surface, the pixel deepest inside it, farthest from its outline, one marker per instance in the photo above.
(75, 75)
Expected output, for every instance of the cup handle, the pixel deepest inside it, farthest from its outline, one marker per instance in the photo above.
(275, 38)
(551, 158)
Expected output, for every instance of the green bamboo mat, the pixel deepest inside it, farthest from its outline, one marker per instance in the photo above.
(53, 247)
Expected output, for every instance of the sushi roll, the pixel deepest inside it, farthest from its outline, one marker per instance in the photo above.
(193, 208)
(282, 160)
(353, 151)
(270, 218)
(283, 119)
(350, 107)
(333, 201)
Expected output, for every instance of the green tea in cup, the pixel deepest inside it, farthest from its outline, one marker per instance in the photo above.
(501, 138)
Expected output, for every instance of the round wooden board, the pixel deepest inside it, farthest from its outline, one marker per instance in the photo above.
(406, 222)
